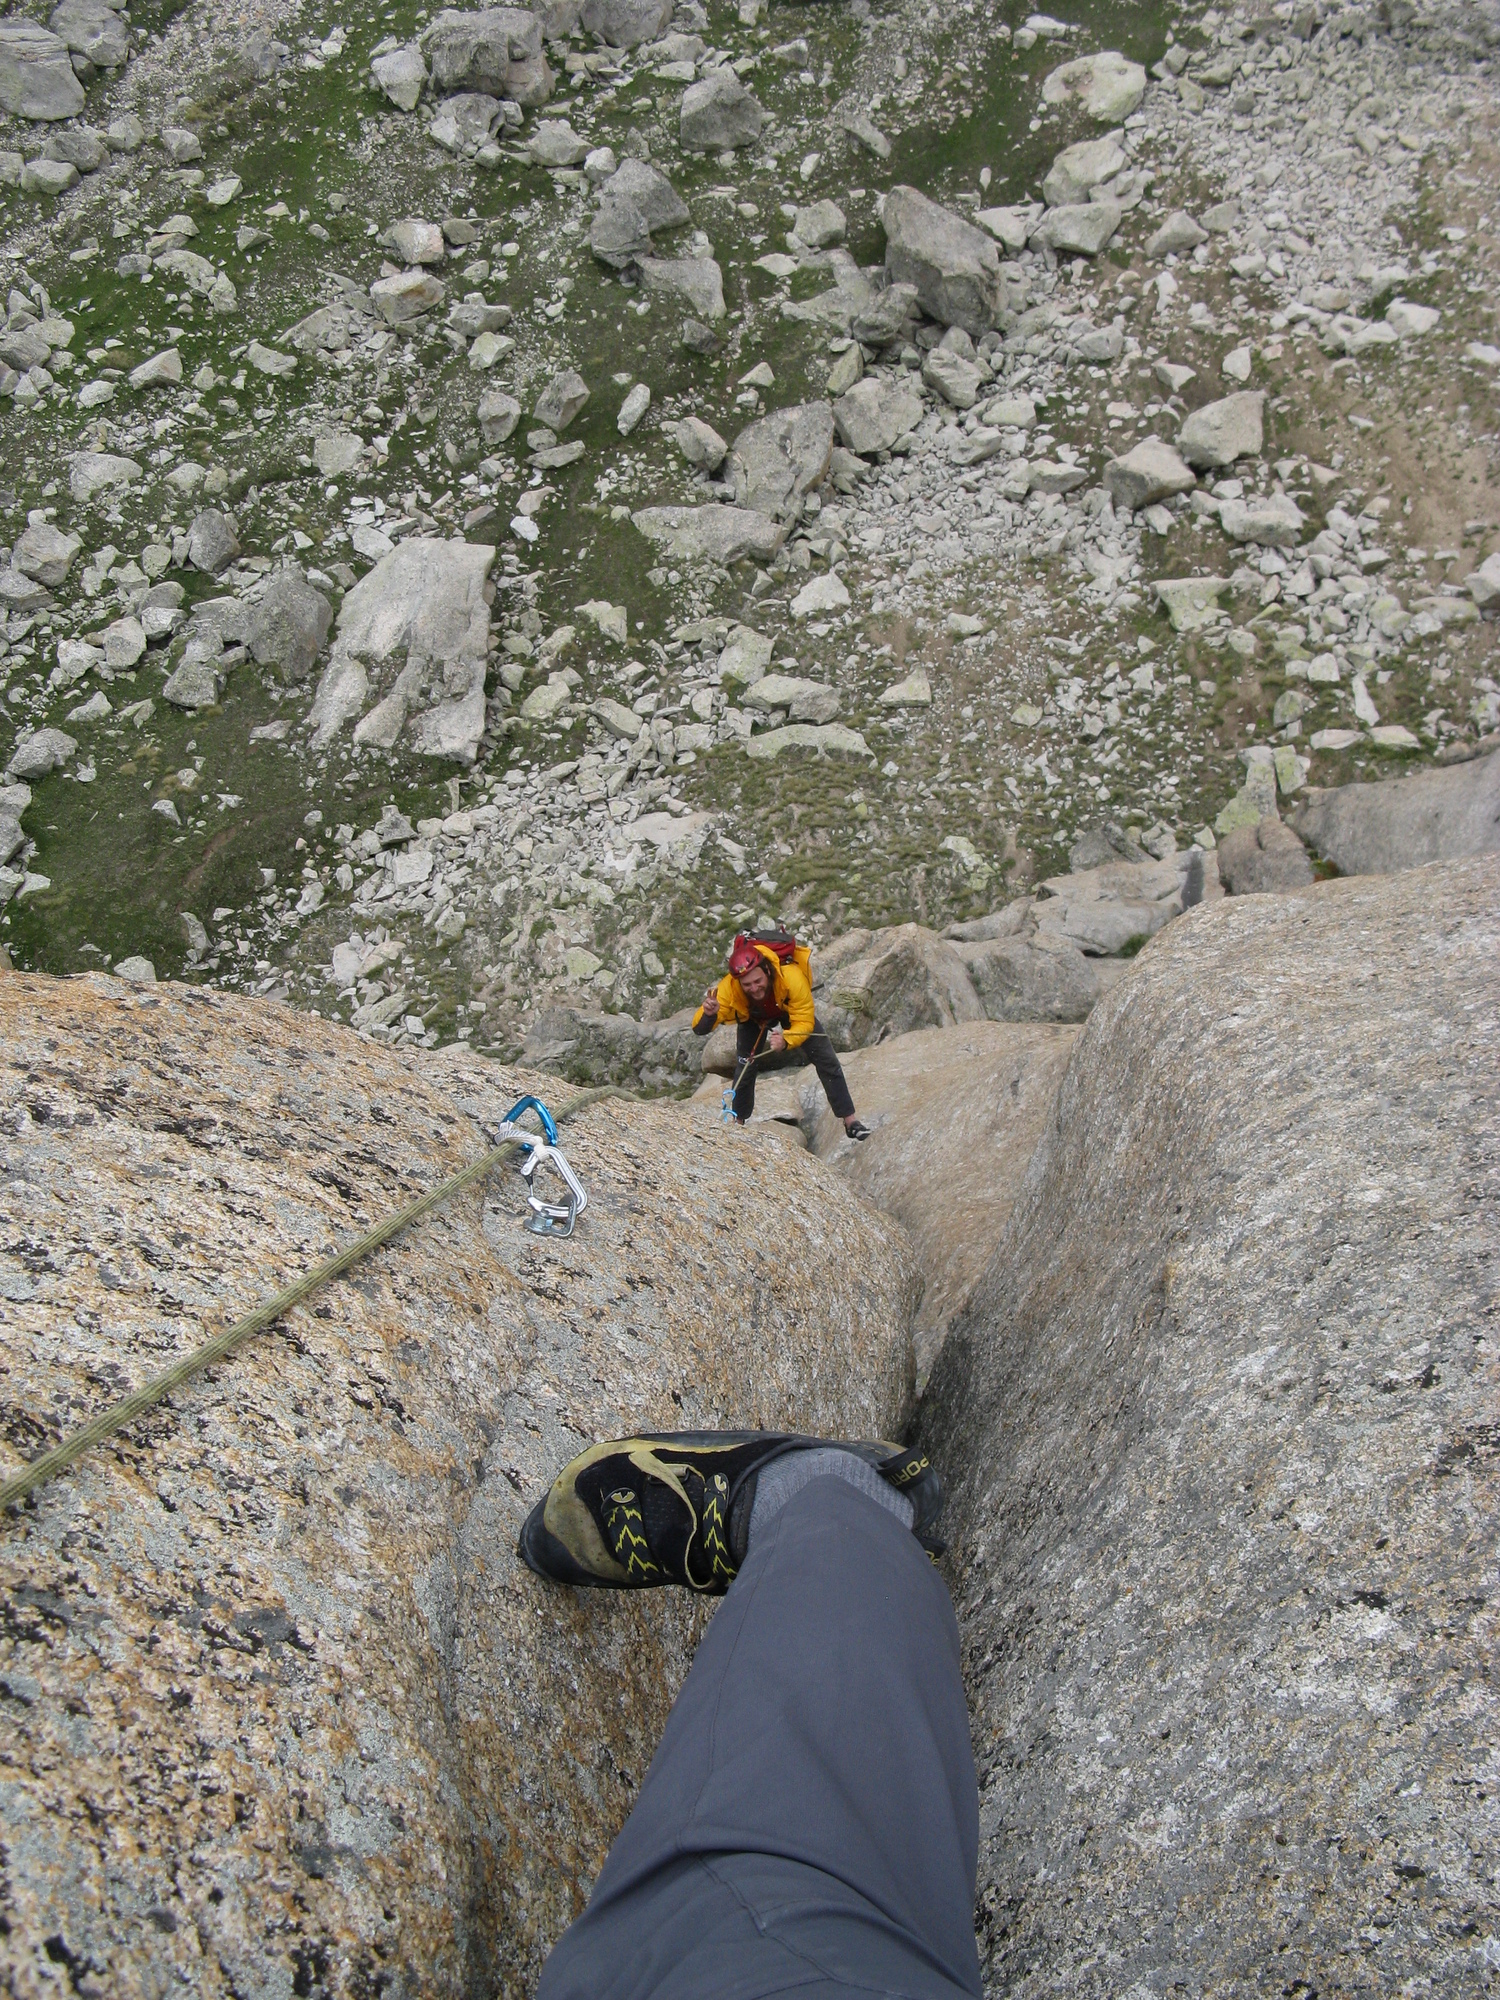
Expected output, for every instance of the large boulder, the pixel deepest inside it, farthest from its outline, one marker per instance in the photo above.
(624, 24)
(1106, 87)
(712, 534)
(877, 411)
(1116, 906)
(719, 114)
(1148, 472)
(496, 52)
(37, 79)
(284, 1711)
(953, 267)
(876, 984)
(287, 628)
(778, 459)
(1378, 829)
(1219, 1431)
(1023, 971)
(414, 632)
(1221, 432)
(92, 30)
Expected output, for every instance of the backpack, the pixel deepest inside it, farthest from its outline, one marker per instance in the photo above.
(785, 946)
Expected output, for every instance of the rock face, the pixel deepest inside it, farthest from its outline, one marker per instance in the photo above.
(954, 267)
(1431, 816)
(280, 1624)
(497, 52)
(1219, 1427)
(955, 1116)
(612, 1048)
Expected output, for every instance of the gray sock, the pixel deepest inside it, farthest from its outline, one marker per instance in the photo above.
(785, 1477)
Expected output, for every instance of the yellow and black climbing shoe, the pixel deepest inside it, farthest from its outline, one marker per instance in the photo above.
(674, 1506)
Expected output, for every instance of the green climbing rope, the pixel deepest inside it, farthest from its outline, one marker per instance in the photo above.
(150, 1393)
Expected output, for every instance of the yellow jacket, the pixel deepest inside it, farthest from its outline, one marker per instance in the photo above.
(791, 995)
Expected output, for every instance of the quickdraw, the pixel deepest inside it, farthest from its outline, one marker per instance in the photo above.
(547, 1218)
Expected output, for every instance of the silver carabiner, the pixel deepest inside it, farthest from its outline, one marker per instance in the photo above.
(551, 1218)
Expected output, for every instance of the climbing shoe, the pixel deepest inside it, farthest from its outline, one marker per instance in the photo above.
(674, 1506)
(856, 1129)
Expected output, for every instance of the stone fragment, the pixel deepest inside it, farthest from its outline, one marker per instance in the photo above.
(40, 751)
(45, 554)
(953, 267)
(78, 147)
(779, 458)
(1077, 169)
(195, 684)
(37, 80)
(1192, 602)
(719, 114)
(618, 234)
(1105, 86)
(854, 118)
(407, 296)
(625, 24)
(49, 177)
(161, 371)
(1151, 471)
(885, 318)
(953, 377)
(124, 644)
(554, 143)
(1176, 236)
(498, 415)
(701, 445)
(1275, 521)
(415, 241)
(561, 400)
(495, 52)
(1484, 583)
(270, 360)
(402, 74)
(695, 281)
(213, 541)
(181, 146)
(1012, 225)
(1051, 476)
(877, 411)
(622, 723)
(827, 739)
(820, 594)
(1221, 432)
(546, 701)
(288, 627)
(1264, 859)
(1080, 230)
(716, 534)
(337, 452)
(745, 658)
(634, 407)
(820, 224)
(464, 123)
(637, 181)
(913, 692)
(1410, 320)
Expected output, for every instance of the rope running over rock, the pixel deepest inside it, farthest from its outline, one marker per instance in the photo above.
(150, 1393)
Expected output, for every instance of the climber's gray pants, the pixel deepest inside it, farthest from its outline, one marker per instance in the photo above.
(810, 1822)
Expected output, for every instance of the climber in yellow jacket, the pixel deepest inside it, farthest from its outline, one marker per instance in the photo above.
(771, 1003)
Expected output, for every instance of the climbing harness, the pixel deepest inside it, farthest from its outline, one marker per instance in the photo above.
(546, 1219)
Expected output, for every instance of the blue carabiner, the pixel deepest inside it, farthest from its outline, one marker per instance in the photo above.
(549, 1126)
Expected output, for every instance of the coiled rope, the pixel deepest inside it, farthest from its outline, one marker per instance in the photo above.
(97, 1429)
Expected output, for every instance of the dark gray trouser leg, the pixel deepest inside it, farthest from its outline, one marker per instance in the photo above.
(817, 1050)
(811, 1818)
